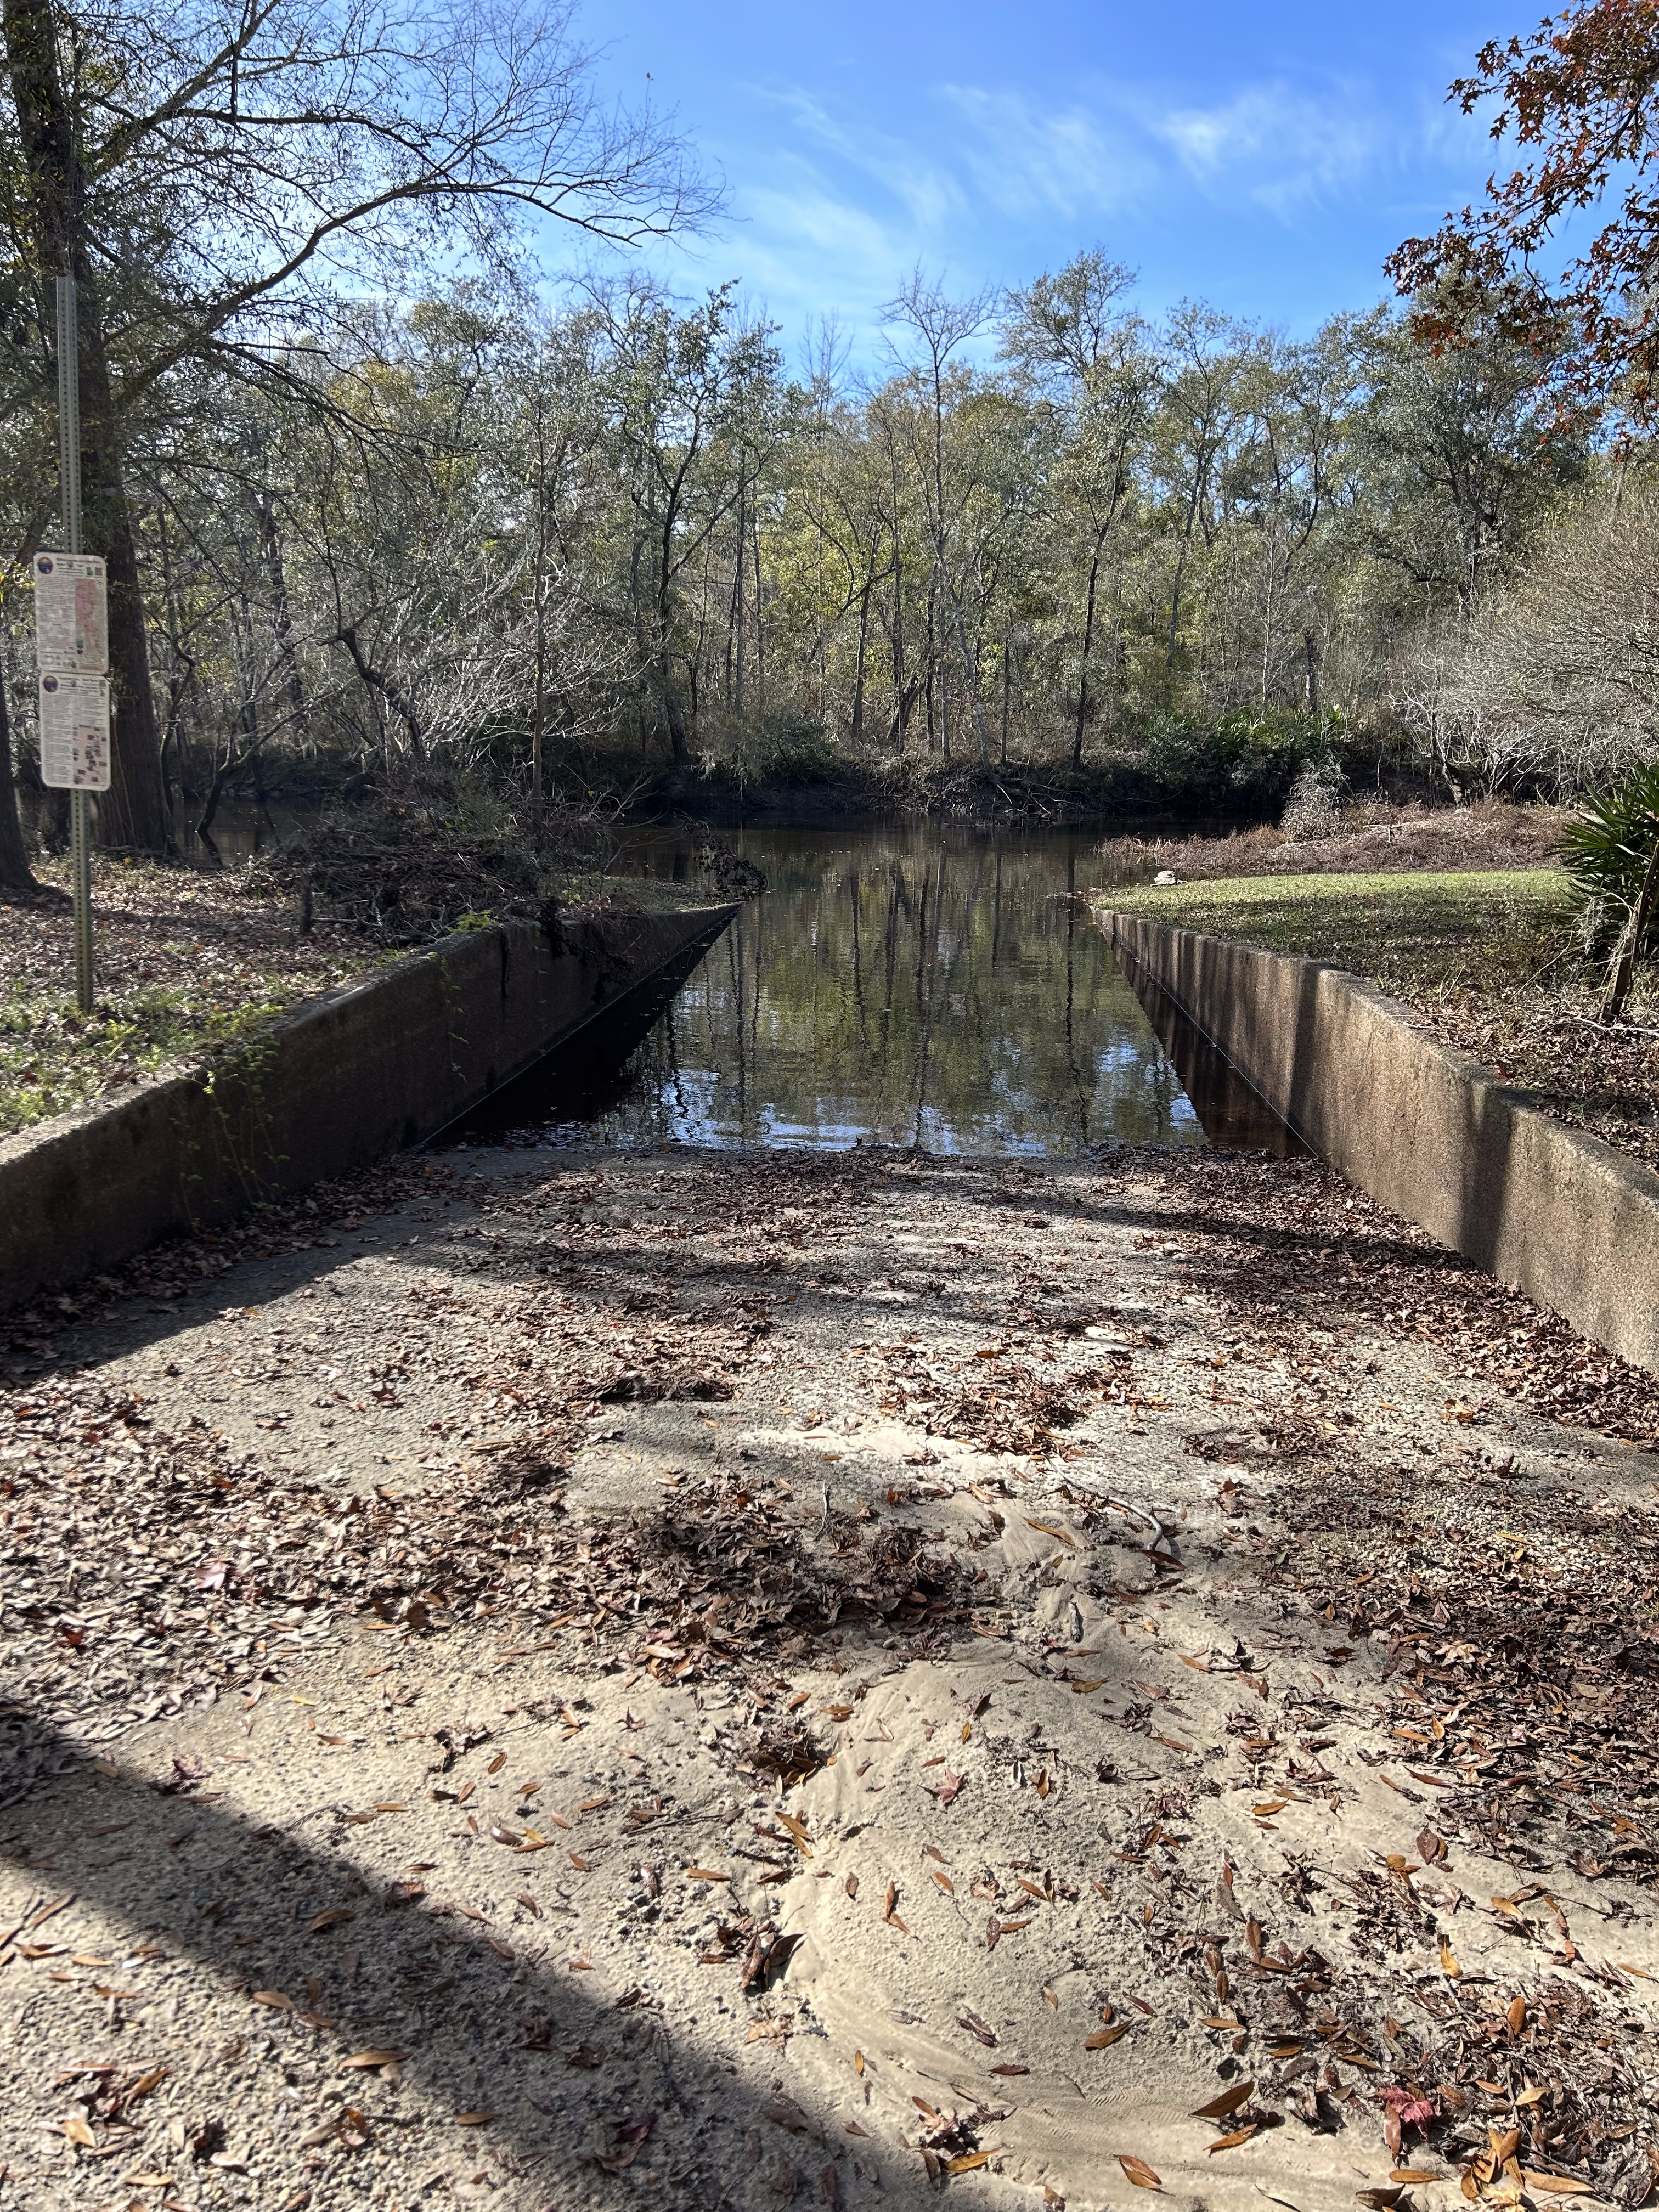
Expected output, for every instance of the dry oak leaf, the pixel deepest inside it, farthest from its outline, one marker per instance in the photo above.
(1138, 2171)
(1230, 2101)
(969, 2159)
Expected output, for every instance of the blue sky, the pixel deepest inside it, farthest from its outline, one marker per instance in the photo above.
(1263, 156)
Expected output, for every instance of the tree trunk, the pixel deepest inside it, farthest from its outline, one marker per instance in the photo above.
(133, 814)
(1083, 673)
(376, 680)
(281, 621)
(15, 874)
(970, 673)
(901, 695)
(932, 667)
(1621, 974)
(743, 562)
(760, 633)
(858, 679)
(679, 749)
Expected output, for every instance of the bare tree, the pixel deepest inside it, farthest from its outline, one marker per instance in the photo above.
(210, 172)
(943, 327)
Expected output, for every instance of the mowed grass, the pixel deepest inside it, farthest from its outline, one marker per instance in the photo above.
(1490, 930)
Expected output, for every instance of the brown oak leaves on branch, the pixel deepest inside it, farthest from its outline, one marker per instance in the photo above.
(1579, 99)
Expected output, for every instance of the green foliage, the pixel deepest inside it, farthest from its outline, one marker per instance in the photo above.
(792, 753)
(1247, 758)
(53, 1057)
(1606, 851)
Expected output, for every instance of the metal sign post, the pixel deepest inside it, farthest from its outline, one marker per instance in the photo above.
(71, 648)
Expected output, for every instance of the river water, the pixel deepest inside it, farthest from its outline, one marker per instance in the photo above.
(909, 983)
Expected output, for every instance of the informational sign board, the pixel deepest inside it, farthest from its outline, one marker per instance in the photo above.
(71, 615)
(75, 732)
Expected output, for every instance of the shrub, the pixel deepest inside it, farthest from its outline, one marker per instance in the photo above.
(1247, 758)
(1606, 851)
(1314, 808)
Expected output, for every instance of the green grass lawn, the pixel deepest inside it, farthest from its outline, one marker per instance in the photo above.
(1488, 930)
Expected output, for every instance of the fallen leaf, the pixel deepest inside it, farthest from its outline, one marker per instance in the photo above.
(1228, 2102)
(1557, 2184)
(333, 1918)
(473, 2119)
(1104, 2038)
(1232, 2141)
(1138, 2171)
(375, 2058)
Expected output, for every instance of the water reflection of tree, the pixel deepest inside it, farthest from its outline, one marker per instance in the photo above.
(916, 986)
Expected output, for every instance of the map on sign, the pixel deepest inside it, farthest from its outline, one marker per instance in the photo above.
(75, 732)
(71, 615)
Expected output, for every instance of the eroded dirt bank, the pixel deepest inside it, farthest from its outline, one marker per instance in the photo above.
(697, 1680)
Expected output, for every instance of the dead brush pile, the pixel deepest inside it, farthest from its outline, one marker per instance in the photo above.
(410, 874)
(1372, 838)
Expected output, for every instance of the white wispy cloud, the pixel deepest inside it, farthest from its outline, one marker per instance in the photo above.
(1025, 160)
(1279, 146)
(930, 195)
(803, 244)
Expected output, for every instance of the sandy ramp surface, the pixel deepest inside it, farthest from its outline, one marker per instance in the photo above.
(563, 1679)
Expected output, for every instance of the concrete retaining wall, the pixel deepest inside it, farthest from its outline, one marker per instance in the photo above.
(1425, 1131)
(348, 1080)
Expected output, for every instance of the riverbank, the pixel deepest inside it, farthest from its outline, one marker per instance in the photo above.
(188, 966)
(192, 966)
(791, 1677)
(1365, 837)
(1489, 961)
